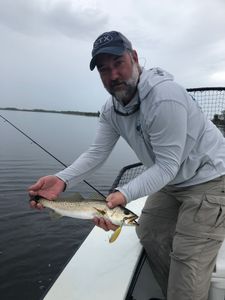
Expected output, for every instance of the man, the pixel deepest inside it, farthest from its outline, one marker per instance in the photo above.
(182, 225)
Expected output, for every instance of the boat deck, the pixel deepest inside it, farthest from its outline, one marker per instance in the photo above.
(100, 270)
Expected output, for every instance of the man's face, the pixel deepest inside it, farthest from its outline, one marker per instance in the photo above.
(119, 74)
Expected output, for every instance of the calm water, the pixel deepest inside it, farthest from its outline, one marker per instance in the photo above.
(33, 248)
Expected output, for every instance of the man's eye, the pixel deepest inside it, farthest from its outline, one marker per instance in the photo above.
(102, 70)
(119, 63)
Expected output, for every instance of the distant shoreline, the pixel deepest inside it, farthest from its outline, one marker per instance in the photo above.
(68, 112)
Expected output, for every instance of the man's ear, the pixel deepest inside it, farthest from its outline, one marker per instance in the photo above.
(135, 56)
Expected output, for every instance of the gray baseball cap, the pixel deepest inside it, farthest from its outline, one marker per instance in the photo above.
(112, 42)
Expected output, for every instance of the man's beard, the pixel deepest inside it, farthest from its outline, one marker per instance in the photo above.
(125, 94)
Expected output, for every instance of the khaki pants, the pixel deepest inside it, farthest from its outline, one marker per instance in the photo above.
(182, 230)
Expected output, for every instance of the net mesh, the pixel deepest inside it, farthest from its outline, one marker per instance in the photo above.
(212, 102)
(126, 174)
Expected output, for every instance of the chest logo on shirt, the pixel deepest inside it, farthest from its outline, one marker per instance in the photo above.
(139, 129)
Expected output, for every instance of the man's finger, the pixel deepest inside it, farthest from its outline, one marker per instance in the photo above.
(34, 204)
(36, 186)
(115, 199)
(100, 223)
(110, 225)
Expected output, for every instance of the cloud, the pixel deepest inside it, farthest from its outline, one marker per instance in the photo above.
(185, 37)
(76, 20)
(46, 46)
(218, 76)
(44, 17)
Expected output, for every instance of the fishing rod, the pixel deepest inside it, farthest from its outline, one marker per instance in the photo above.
(49, 153)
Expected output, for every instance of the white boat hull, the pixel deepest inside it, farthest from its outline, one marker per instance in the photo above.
(100, 270)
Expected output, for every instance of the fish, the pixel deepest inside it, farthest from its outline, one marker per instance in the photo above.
(76, 206)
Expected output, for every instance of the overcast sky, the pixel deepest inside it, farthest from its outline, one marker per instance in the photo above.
(45, 46)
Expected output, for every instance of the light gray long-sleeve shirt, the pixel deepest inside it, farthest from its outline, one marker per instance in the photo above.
(169, 134)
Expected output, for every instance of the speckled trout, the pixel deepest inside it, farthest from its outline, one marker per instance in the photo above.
(76, 206)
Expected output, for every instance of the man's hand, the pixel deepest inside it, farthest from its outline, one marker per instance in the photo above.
(48, 187)
(113, 200)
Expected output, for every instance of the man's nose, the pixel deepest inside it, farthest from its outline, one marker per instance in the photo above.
(114, 74)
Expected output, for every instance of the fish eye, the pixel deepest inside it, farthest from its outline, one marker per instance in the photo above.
(126, 211)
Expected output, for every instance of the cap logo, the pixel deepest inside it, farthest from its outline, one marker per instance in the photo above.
(102, 40)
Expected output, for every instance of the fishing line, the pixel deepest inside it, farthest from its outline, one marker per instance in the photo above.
(49, 153)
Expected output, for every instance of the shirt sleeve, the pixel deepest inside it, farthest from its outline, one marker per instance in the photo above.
(105, 139)
(167, 134)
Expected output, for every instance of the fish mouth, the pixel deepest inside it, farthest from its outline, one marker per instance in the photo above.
(131, 220)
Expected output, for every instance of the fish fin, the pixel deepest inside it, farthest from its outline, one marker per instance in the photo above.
(115, 234)
(54, 215)
(96, 196)
(72, 198)
(100, 211)
(77, 196)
